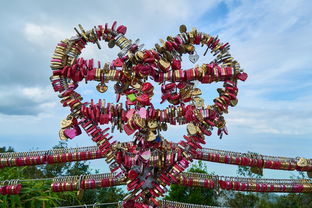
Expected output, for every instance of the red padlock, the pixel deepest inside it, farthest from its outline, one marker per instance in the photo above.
(132, 174)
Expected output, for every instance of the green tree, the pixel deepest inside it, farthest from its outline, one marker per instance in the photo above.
(195, 195)
(303, 200)
(247, 199)
(38, 193)
(60, 169)
(265, 200)
(242, 200)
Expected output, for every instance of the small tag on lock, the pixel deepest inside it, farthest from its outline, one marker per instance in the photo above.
(146, 155)
(191, 129)
(118, 62)
(194, 57)
(158, 139)
(302, 162)
(256, 170)
(111, 43)
(143, 113)
(61, 135)
(151, 136)
(199, 102)
(164, 126)
(101, 88)
(80, 194)
(67, 122)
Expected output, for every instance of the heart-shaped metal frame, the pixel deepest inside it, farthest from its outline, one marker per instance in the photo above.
(131, 72)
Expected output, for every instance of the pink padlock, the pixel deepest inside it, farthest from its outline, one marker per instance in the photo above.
(72, 132)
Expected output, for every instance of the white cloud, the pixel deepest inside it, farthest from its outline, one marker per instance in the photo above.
(44, 35)
(271, 40)
(37, 94)
(262, 35)
(176, 9)
(33, 31)
(26, 100)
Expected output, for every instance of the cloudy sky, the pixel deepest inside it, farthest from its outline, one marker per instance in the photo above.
(271, 40)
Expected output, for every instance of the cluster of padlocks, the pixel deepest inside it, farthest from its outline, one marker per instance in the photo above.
(132, 71)
(149, 163)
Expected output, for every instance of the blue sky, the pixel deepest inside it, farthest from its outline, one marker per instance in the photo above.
(271, 40)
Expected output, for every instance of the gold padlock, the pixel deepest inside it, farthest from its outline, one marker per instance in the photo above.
(302, 162)
(67, 122)
(61, 135)
(191, 129)
(101, 87)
